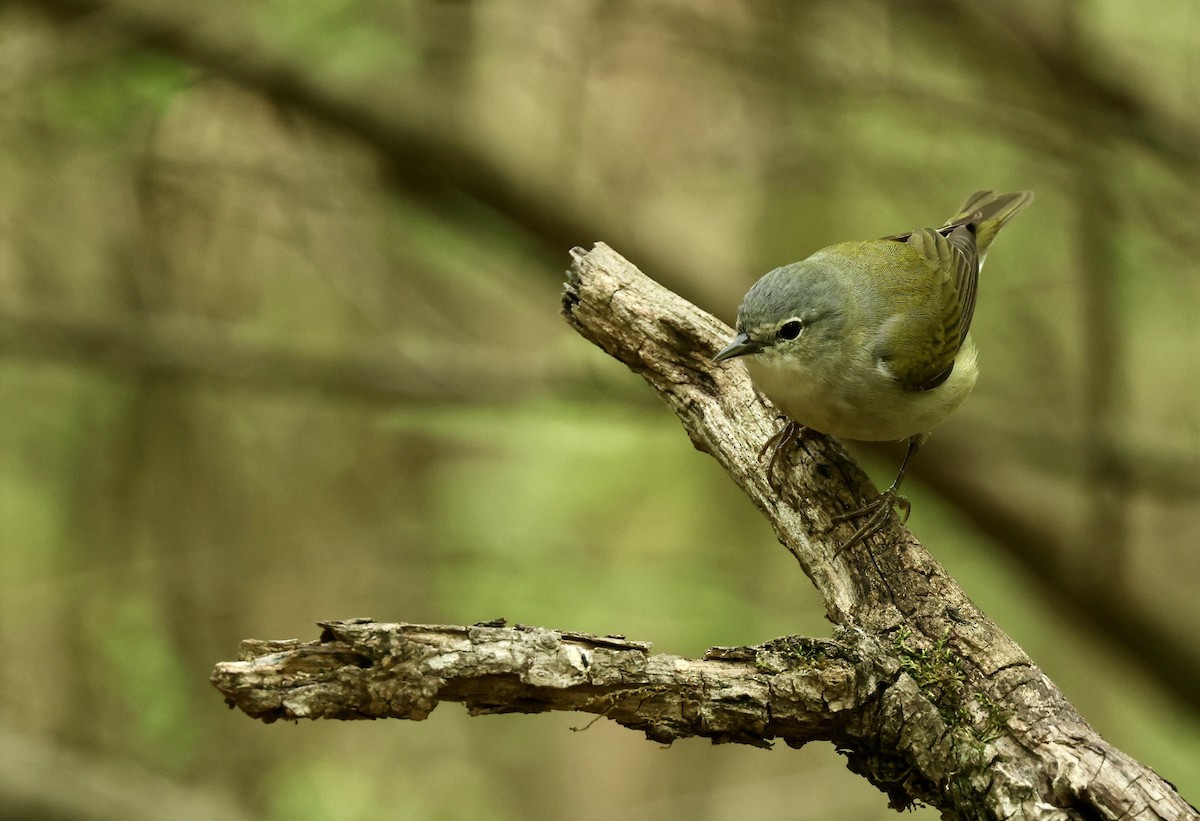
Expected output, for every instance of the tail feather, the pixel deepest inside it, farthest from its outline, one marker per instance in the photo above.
(988, 212)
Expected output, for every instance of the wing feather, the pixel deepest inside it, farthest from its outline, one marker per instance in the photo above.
(955, 254)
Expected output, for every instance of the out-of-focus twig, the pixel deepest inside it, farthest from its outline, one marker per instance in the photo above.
(205, 350)
(437, 168)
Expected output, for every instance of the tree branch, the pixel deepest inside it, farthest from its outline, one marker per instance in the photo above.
(928, 699)
(798, 690)
(204, 350)
(434, 167)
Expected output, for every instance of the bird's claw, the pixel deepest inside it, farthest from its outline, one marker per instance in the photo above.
(780, 445)
(877, 513)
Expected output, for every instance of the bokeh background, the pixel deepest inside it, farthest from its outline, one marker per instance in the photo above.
(279, 342)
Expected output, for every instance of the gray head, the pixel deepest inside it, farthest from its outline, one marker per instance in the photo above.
(793, 310)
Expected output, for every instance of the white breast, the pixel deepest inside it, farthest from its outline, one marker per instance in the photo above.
(861, 402)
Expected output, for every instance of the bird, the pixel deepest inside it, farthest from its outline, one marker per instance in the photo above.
(870, 340)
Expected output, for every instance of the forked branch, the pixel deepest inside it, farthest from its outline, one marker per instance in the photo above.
(925, 696)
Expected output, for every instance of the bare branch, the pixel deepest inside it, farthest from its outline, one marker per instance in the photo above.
(796, 690)
(436, 167)
(204, 350)
(927, 698)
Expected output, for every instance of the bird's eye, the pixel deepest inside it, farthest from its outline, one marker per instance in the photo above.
(790, 329)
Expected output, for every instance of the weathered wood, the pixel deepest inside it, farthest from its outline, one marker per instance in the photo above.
(925, 696)
(796, 690)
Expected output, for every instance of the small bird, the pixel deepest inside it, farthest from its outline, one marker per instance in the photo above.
(869, 340)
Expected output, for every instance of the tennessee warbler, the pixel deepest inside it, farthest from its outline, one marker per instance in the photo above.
(869, 340)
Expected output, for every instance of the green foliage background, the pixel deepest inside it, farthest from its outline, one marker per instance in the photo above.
(279, 342)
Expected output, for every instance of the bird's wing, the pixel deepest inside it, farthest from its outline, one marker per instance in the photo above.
(952, 257)
(956, 252)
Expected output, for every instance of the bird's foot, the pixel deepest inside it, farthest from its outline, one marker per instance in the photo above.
(780, 445)
(876, 514)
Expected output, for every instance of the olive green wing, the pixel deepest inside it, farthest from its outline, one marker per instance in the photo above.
(954, 265)
(955, 253)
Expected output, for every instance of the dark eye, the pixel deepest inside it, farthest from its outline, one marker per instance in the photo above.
(791, 329)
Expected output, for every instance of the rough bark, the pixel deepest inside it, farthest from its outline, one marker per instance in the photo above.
(925, 696)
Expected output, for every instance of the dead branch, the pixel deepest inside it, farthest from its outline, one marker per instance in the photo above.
(797, 690)
(927, 698)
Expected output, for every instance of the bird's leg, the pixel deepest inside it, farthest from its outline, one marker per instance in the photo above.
(877, 511)
(780, 444)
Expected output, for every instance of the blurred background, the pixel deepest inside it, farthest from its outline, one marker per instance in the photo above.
(279, 342)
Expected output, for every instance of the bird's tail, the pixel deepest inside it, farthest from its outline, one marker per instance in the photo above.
(988, 212)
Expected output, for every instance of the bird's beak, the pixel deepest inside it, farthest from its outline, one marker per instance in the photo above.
(740, 346)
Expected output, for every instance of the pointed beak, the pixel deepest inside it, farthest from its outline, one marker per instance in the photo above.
(740, 346)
